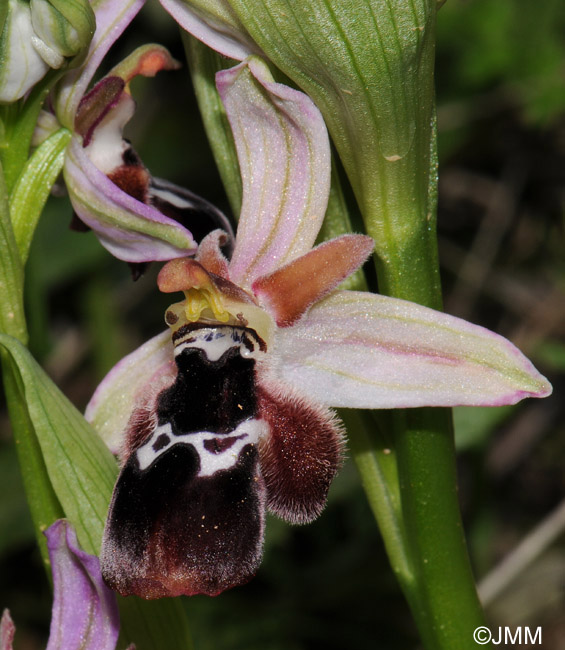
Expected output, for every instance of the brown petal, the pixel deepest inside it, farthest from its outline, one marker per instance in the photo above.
(288, 292)
(301, 454)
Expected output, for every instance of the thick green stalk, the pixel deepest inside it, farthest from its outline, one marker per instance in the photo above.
(369, 66)
(204, 63)
(443, 595)
(428, 483)
(448, 609)
(44, 505)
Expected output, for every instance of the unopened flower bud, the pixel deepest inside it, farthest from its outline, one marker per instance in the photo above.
(38, 35)
(65, 26)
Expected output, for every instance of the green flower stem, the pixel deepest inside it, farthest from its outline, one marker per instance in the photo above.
(377, 466)
(42, 500)
(446, 593)
(44, 505)
(19, 121)
(204, 63)
(443, 596)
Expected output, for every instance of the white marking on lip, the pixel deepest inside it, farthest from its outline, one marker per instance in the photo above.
(247, 433)
(216, 341)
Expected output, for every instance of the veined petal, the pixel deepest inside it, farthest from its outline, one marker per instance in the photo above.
(214, 23)
(363, 350)
(115, 398)
(290, 290)
(129, 229)
(85, 611)
(112, 17)
(284, 158)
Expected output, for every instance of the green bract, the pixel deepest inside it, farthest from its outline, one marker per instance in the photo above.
(368, 66)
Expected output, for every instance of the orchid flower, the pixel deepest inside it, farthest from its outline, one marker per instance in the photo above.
(85, 612)
(228, 414)
(138, 218)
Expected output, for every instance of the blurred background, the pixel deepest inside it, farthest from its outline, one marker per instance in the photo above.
(501, 109)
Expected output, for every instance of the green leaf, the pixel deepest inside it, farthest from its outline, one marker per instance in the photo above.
(80, 467)
(33, 187)
(82, 472)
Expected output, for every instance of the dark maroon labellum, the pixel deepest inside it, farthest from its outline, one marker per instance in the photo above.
(202, 465)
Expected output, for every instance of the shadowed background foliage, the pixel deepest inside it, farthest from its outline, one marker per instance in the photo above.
(501, 110)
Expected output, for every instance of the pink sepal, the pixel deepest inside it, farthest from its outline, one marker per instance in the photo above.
(220, 30)
(284, 158)
(362, 350)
